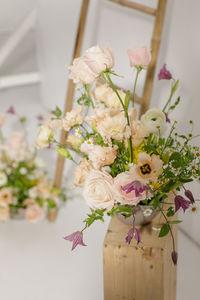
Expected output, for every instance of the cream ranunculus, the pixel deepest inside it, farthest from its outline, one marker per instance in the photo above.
(88, 67)
(74, 117)
(42, 140)
(98, 190)
(154, 121)
(105, 94)
(100, 156)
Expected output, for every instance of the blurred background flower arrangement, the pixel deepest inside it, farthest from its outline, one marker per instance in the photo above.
(26, 192)
(127, 164)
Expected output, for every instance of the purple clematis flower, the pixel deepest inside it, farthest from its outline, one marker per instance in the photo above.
(133, 232)
(164, 73)
(175, 257)
(134, 186)
(181, 202)
(76, 238)
(189, 195)
(167, 118)
(11, 110)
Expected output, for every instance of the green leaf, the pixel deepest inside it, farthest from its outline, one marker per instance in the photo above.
(57, 112)
(170, 212)
(23, 119)
(127, 100)
(64, 152)
(164, 230)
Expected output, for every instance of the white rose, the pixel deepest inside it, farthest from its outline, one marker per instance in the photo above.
(154, 120)
(3, 179)
(98, 190)
(44, 134)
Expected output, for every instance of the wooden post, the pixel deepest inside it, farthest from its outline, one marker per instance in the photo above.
(138, 272)
(155, 46)
(69, 97)
(71, 86)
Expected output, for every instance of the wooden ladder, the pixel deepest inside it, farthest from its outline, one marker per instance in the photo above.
(144, 101)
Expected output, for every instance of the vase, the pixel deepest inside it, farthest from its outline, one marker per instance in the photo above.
(138, 217)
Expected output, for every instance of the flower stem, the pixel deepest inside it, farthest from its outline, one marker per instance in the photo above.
(87, 88)
(174, 87)
(135, 83)
(173, 241)
(130, 146)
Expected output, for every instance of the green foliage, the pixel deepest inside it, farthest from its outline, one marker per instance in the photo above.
(164, 230)
(170, 212)
(122, 160)
(57, 112)
(94, 216)
(124, 210)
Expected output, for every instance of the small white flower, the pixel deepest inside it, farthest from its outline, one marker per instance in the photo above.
(3, 179)
(23, 171)
(194, 208)
(147, 212)
(78, 132)
(89, 142)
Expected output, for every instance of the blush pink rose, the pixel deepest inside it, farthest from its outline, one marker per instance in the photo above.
(121, 196)
(139, 57)
(100, 156)
(34, 213)
(81, 172)
(98, 190)
(87, 68)
(52, 122)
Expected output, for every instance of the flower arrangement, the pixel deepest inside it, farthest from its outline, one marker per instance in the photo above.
(25, 190)
(125, 162)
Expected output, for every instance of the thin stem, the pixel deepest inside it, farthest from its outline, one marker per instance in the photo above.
(135, 83)
(173, 242)
(130, 146)
(174, 87)
(87, 88)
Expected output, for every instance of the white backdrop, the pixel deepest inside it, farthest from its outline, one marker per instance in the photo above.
(35, 262)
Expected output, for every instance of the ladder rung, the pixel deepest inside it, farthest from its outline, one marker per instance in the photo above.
(143, 8)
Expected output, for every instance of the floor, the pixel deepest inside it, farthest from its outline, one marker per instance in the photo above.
(37, 264)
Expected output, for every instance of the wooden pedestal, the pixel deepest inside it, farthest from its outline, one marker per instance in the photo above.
(138, 272)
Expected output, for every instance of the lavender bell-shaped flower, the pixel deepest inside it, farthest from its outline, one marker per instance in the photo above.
(180, 202)
(134, 186)
(76, 238)
(189, 195)
(164, 73)
(133, 232)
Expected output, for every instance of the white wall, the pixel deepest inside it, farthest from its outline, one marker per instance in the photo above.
(36, 262)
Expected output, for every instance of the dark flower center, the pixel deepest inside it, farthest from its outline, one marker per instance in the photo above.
(145, 169)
